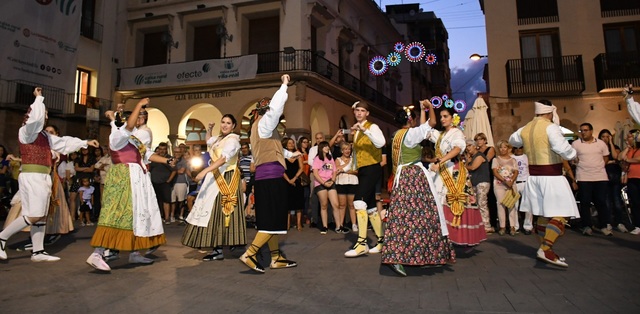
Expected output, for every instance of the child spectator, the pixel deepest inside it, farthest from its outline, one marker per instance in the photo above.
(86, 195)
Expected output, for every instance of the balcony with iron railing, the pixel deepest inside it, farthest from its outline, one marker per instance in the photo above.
(306, 60)
(614, 70)
(90, 29)
(19, 95)
(552, 76)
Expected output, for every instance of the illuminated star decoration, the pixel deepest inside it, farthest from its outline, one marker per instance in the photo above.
(414, 51)
(436, 101)
(399, 47)
(378, 65)
(394, 58)
(430, 59)
(459, 105)
(449, 103)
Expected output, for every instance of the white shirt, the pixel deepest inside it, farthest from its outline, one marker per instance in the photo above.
(523, 167)
(313, 152)
(556, 139)
(28, 133)
(634, 109)
(144, 134)
(271, 118)
(374, 133)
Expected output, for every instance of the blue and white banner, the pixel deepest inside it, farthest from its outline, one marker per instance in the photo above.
(40, 41)
(189, 73)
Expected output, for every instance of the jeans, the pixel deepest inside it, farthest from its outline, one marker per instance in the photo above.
(615, 203)
(595, 191)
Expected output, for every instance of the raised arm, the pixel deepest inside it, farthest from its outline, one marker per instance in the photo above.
(35, 119)
(271, 118)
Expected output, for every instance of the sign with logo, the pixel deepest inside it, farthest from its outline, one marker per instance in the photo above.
(40, 41)
(187, 73)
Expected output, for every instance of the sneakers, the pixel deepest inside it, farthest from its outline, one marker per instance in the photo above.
(167, 222)
(137, 258)
(606, 231)
(587, 231)
(42, 256)
(216, 255)
(354, 228)
(151, 250)
(26, 247)
(3, 252)
(89, 223)
(501, 232)
(550, 257)
(622, 228)
(252, 263)
(323, 230)
(111, 255)
(52, 239)
(344, 230)
(360, 248)
(96, 261)
(173, 219)
(635, 231)
(398, 269)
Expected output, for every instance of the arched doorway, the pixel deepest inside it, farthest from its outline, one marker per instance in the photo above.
(192, 128)
(159, 125)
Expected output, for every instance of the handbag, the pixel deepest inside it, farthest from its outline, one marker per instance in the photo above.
(304, 179)
(509, 201)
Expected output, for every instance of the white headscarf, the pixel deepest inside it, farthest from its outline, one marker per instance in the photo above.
(544, 109)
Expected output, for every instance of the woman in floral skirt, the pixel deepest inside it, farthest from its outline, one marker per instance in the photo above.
(464, 223)
(416, 232)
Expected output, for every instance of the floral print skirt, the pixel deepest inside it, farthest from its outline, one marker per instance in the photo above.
(413, 235)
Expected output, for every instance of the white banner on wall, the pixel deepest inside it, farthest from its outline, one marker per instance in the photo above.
(188, 73)
(40, 41)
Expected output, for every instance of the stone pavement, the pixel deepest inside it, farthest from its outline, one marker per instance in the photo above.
(500, 276)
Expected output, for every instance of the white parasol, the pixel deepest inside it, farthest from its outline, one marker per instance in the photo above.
(477, 121)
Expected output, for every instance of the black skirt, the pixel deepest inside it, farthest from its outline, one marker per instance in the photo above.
(271, 204)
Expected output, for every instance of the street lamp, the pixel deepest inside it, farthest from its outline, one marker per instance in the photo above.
(476, 57)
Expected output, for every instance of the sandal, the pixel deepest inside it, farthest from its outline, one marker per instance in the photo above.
(551, 257)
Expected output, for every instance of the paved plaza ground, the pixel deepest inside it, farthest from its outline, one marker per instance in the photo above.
(500, 276)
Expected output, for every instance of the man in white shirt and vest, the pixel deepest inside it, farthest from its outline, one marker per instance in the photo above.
(367, 143)
(547, 193)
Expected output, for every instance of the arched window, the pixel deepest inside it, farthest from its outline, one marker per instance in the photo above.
(196, 132)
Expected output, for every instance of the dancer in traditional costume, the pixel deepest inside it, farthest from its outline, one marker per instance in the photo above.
(416, 232)
(59, 220)
(130, 217)
(464, 223)
(547, 193)
(270, 189)
(216, 218)
(35, 178)
(367, 143)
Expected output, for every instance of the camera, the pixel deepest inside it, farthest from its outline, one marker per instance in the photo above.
(346, 131)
